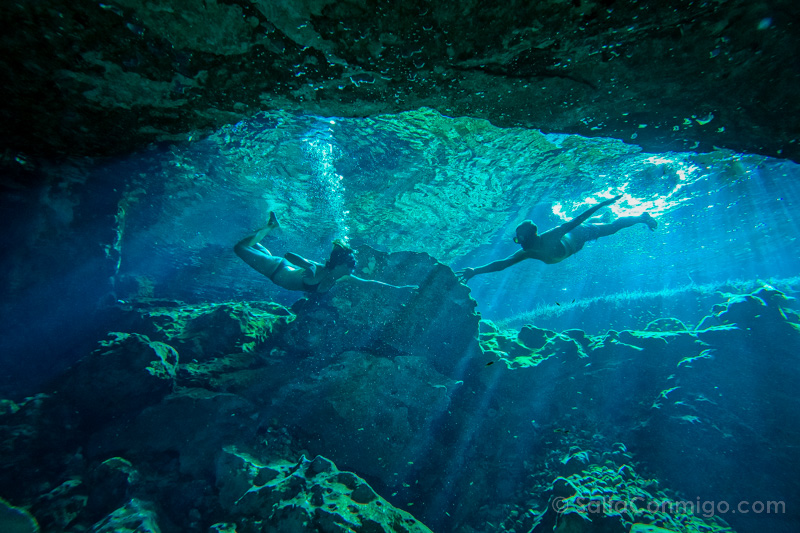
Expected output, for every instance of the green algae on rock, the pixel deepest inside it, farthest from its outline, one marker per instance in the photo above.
(135, 515)
(531, 345)
(214, 329)
(307, 495)
(614, 496)
(16, 520)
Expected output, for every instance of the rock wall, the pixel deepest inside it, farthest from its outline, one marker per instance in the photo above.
(204, 417)
(83, 78)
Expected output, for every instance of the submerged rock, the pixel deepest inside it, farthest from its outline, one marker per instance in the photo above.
(126, 374)
(712, 391)
(365, 411)
(200, 422)
(112, 483)
(135, 515)
(212, 443)
(16, 520)
(304, 496)
(437, 320)
(604, 493)
(205, 331)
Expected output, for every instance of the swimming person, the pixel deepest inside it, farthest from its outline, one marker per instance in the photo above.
(557, 244)
(296, 273)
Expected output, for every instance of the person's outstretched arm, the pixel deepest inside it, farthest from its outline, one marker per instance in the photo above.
(566, 227)
(383, 283)
(494, 266)
(301, 262)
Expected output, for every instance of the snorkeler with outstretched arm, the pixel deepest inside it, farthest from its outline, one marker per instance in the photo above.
(557, 244)
(296, 273)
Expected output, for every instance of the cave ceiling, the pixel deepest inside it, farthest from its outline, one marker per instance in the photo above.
(96, 79)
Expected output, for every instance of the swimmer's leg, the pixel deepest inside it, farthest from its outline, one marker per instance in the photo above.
(603, 218)
(259, 235)
(601, 230)
(254, 254)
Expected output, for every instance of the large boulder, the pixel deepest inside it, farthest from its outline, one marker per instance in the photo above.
(365, 411)
(436, 320)
(126, 374)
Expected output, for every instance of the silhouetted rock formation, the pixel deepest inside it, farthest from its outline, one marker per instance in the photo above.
(82, 78)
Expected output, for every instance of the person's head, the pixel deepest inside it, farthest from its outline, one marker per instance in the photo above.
(342, 260)
(526, 233)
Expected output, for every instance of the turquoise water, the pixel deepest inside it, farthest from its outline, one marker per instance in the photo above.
(692, 389)
(456, 189)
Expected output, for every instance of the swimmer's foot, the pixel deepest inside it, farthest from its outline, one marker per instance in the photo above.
(648, 219)
(272, 225)
(273, 221)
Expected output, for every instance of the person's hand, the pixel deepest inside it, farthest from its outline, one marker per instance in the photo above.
(464, 275)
